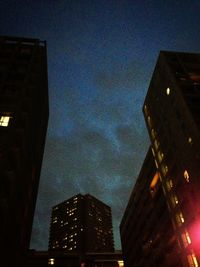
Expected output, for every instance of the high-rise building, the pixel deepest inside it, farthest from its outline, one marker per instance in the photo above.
(23, 125)
(82, 224)
(147, 233)
(172, 115)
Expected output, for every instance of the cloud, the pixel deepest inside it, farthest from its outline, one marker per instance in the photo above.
(88, 162)
(119, 76)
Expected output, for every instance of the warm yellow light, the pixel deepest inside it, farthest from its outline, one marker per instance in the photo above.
(192, 260)
(188, 238)
(181, 217)
(169, 184)
(168, 91)
(190, 140)
(154, 181)
(186, 176)
(174, 200)
(121, 263)
(51, 261)
(195, 260)
(4, 120)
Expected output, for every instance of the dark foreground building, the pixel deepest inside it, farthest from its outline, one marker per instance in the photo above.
(82, 224)
(23, 125)
(146, 229)
(73, 259)
(172, 115)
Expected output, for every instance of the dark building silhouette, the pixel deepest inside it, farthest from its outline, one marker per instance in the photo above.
(23, 125)
(82, 224)
(73, 259)
(172, 115)
(147, 232)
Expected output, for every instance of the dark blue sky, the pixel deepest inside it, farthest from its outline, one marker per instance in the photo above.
(101, 55)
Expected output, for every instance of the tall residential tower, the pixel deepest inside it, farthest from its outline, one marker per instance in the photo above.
(172, 115)
(23, 126)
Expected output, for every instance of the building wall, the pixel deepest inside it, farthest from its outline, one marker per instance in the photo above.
(146, 230)
(82, 224)
(171, 110)
(173, 125)
(24, 102)
(66, 228)
(98, 226)
(73, 259)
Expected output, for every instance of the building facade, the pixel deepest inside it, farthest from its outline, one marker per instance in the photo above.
(82, 224)
(172, 115)
(147, 232)
(73, 259)
(23, 126)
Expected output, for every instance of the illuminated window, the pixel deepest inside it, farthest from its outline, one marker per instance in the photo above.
(4, 121)
(186, 239)
(182, 218)
(120, 263)
(179, 218)
(169, 184)
(190, 140)
(160, 156)
(174, 200)
(55, 220)
(164, 169)
(192, 260)
(186, 176)
(51, 261)
(168, 91)
(154, 181)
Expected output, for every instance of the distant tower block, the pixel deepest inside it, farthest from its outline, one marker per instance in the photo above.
(82, 224)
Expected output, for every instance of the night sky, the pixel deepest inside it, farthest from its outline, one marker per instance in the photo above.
(101, 55)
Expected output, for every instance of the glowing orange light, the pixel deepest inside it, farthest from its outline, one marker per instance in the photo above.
(186, 176)
(195, 77)
(154, 181)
